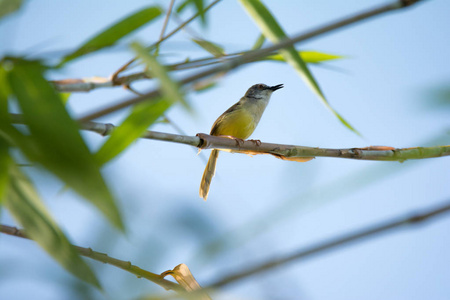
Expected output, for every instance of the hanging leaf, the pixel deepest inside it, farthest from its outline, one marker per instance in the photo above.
(9, 6)
(169, 88)
(198, 6)
(114, 33)
(24, 204)
(259, 42)
(55, 141)
(141, 117)
(5, 162)
(273, 31)
(210, 47)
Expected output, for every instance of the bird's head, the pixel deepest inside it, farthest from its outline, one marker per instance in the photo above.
(261, 90)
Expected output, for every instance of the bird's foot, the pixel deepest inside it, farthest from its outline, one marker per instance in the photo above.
(238, 141)
(256, 142)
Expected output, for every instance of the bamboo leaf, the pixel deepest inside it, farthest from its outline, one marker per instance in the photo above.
(312, 57)
(273, 31)
(55, 141)
(210, 47)
(65, 97)
(259, 42)
(114, 33)
(5, 162)
(198, 5)
(142, 116)
(24, 204)
(169, 88)
(9, 6)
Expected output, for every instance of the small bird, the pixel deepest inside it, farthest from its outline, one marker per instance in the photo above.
(239, 122)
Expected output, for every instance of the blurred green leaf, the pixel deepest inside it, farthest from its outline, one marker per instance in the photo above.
(65, 97)
(210, 47)
(9, 133)
(24, 204)
(5, 161)
(198, 5)
(169, 88)
(312, 57)
(272, 30)
(115, 32)
(142, 116)
(55, 141)
(4, 93)
(259, 42)
(9, 6)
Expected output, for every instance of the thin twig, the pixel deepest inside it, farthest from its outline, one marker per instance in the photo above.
(285, 152)
(89, 84)
(125, 66)
(104, 258)
(228, 65)
(166, 22)
(335, 243)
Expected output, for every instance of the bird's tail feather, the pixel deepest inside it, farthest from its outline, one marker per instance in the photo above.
(208, 174)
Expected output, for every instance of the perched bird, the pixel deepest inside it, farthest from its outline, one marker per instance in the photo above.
(239, 121)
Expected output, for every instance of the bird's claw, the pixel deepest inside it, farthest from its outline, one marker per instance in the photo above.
(256, 142)
(238, 141)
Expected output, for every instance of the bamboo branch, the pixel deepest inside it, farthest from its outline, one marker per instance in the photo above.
(281, 151)
(91, 83)
(104, 258)
(231, 64)
(334, 243)
(125, 66)
(166, 22)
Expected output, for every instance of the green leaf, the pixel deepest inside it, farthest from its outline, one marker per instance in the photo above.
(142, 116)
(259, 42)
(210, 47)
(24, 204)
(8, 132)
(55, 141)
(169, 88)
(272, 30)
(312, 57)
(9, 6)
(4, 93)
(5, 162)
(65, 97)
(197, 4)
(115, 32)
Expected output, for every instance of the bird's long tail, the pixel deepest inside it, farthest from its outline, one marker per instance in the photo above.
(208, 174)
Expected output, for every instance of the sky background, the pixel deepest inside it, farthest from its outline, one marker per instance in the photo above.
(260, 207)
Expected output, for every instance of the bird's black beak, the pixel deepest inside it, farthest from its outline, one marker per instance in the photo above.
(276, 87)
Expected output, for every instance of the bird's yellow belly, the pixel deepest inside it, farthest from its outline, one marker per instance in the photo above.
(239, 124)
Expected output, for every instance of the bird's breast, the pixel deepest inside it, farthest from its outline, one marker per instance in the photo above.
(239, 123)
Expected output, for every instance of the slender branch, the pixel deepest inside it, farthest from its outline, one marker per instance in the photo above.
(89, 84)
(104, 258)
(285, 152)
(166, 22)
(228, 65)
(125, 66)
(334, 243)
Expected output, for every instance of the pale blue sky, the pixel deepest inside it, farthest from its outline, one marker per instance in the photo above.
(264, 206)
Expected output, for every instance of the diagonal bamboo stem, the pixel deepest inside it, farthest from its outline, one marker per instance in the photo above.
(231, 64)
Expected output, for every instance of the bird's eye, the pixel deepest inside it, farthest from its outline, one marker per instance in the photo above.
(261, 86)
